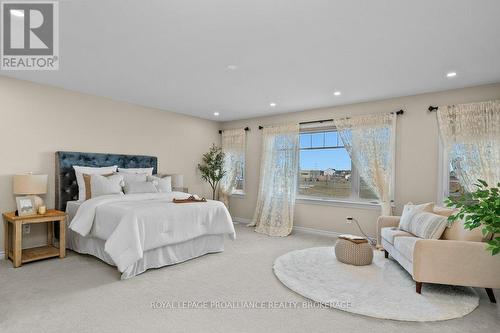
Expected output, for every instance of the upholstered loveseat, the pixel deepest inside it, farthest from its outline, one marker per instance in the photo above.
(457, 258)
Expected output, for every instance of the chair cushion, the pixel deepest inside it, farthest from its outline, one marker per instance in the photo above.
(457, 231)
(405, 245)
(390, 233)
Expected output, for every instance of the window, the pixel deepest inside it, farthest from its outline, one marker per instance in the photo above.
(449, 172)
(326, 170)
(240, 177)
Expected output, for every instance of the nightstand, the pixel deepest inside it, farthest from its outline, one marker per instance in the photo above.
(13, 237)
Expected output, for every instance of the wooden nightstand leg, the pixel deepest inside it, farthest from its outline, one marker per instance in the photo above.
(62, 238)
(18, 239)
(50, 233)
(6, 239)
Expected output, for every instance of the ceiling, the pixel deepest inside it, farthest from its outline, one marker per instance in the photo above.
(174, 55)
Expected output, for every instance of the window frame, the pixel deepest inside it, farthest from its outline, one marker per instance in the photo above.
(443, 189)
(241, 193)
(354, 199)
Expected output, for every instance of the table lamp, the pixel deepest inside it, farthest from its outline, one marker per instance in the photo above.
(30, 184)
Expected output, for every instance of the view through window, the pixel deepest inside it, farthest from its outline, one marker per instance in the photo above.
(326, 170)
(455, 189)
(240, 177)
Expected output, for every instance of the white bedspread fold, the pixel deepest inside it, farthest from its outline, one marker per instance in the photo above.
(134, 223)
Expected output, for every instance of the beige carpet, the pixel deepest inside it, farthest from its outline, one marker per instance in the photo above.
(82, 294)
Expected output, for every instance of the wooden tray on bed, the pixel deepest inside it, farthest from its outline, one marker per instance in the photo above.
(190, 199)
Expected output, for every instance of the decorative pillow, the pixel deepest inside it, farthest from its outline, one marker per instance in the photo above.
(80, 170)
(88, 185)
(428, 225)
(140, 187)
(147, 171)
(133, 177)
(98, 185)
(409, 210)
(163, 184)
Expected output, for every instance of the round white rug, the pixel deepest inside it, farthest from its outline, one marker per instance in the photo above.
(381, 290)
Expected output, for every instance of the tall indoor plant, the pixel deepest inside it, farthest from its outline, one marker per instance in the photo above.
(212, 167)
(480, 208)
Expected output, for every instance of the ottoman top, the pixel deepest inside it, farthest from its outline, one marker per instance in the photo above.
(353, 238)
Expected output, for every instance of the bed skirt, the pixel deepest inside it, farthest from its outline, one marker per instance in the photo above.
(159, 257)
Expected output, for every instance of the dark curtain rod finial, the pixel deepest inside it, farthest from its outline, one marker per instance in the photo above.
(432, 108)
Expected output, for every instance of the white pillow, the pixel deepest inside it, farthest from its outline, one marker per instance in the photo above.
(132, 177)
(147, 171)
(80, 170)
(140, 187)
(409, 210)
(101, 185)
(163, 184)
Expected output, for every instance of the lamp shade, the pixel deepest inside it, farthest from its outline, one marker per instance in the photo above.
(29, 184)
(177, 181)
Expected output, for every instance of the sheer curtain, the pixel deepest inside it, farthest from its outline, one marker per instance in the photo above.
(278, 180)
(233, 146)
(370, 141)
(471, 137)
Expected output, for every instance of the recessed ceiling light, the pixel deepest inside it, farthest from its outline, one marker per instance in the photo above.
(337, 93)
(272, 104)
(216, 114)
(18, 13)
(451, 74)
(232, 67)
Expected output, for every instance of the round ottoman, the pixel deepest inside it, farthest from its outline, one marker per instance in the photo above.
(353, 250)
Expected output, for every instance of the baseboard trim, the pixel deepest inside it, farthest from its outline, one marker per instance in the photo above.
(240, 220)
(299, 229)
(313, 231)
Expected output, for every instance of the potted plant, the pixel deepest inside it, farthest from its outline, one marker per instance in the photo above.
(480, 208)
(212, 167)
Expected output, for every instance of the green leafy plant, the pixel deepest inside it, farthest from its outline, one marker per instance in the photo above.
(480, 208)
(212, 167)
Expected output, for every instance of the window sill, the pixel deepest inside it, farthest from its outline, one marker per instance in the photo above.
(337, 203)
(238, 194)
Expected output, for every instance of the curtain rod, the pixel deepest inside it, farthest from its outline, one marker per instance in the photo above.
(432, 108)
(400, 112)
(246, 129)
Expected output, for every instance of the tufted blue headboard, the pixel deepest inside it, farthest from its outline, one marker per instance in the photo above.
(66, 186)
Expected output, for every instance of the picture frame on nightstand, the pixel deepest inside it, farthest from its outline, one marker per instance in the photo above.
(26, 206)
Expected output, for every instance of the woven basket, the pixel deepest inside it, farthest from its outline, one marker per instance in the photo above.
(352, 253)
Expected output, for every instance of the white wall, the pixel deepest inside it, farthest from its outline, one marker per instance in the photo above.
(37, 120)
(416, 155)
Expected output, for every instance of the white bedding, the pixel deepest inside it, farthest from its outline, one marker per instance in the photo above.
(133, 224)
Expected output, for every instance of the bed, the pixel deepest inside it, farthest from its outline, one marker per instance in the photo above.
(136, 232)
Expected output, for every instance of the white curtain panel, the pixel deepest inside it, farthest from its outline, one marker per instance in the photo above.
(471, 137)
(370, 141)
(233, 146)
(278, 180)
